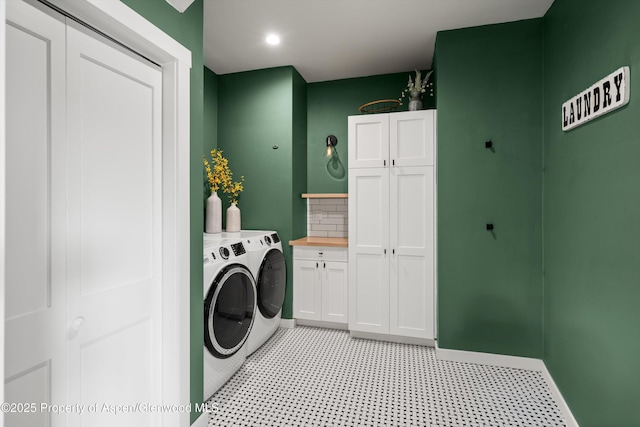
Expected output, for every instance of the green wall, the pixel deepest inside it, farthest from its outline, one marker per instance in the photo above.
(299, 180)
(187, 29)
(329, 104)
(490, 283)
(210, 128)
(261, 110)
(591, 216)
(210, 111)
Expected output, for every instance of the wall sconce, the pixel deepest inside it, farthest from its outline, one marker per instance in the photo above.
(331, 142)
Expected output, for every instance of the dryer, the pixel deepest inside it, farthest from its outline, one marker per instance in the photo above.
(229, 311)
(269, 269)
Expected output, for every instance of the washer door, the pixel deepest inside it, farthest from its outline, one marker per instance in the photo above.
(229, 311)
(272, 283)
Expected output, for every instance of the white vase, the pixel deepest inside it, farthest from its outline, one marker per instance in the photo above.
(213, 220)
(233, 219)
(415, 103)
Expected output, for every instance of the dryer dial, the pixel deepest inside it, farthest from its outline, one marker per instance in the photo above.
(224, 253)
(267, 240)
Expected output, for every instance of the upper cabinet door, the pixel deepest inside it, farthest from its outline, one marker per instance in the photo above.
(412, 138)
(369, 141)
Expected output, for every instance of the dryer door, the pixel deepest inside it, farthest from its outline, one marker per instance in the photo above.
(272, 283)
(229, 311)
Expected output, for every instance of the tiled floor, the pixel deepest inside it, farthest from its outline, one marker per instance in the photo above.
(320, 377)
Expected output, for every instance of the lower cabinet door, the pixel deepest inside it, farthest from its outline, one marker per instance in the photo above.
(334, 292)
(412, 242)
(307, 290)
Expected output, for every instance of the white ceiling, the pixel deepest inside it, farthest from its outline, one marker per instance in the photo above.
(336, 39)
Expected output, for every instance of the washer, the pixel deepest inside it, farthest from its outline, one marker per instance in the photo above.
(270, 272)
(229, 311)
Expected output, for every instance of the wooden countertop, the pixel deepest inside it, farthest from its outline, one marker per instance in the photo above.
(336, 242)
(325, 195)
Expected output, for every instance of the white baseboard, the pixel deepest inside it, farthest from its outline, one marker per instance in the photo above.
(321, 324)
(516, 362)
(392, 338)
(201, 421)
(288, 323)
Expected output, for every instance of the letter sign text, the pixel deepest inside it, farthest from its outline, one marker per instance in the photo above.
(608, 94)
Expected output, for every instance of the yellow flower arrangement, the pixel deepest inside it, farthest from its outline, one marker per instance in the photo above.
(220, 176)
(234, 190)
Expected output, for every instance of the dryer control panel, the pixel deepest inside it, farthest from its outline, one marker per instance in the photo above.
(238, 249)
(224, 252)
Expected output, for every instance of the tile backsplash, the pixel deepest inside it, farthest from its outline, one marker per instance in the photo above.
(327, 217)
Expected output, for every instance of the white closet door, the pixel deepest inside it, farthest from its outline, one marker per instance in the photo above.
(412, 267)
(114, 230)
(35, 221)
(368, 250)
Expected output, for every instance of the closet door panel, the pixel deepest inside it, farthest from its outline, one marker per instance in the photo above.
(35, 222)
(114, 213)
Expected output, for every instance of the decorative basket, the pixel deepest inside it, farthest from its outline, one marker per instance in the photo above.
(380, 106)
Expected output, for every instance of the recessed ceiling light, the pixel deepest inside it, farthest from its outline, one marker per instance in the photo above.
(273, 39)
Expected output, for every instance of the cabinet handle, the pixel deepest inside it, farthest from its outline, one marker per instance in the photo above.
(384, 163)
(393, 251)
(316, 265)
(393, 162)
(324, 265)
(385, 251)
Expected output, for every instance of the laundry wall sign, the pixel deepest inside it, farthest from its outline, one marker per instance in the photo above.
(608, 94)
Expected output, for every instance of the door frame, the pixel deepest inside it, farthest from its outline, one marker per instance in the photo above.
(122, 23)
(2, 195)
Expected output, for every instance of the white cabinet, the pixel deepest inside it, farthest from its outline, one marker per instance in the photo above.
(396, 139)
(392, 226)
(320, 284)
